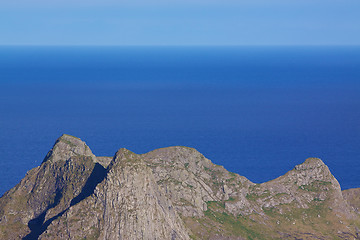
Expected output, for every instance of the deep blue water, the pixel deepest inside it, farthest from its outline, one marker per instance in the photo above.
(258, 111)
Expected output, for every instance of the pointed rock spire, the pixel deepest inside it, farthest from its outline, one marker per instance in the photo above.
(66, 147)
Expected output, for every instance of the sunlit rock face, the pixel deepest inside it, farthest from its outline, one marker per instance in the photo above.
(171, 193)
(66, 147)
(66, 175)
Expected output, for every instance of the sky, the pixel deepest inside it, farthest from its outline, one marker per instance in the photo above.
(175, 22)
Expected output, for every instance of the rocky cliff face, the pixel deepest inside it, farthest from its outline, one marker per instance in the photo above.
(172, 193)
(46, 191)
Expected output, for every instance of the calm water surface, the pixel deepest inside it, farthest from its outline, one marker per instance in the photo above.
(258, 111)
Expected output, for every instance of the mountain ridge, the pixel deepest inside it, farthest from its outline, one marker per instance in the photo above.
(172, 193)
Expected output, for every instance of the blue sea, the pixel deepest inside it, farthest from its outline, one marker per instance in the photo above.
(258, 111)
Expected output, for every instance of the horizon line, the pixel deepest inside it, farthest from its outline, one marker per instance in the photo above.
(179, 45)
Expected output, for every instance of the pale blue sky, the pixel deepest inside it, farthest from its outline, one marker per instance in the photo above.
(175, 22)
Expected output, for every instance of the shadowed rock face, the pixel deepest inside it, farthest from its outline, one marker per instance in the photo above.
(65, 176)
(171, 193)
(127, 205)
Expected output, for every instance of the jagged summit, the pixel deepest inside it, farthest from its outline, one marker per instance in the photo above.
(171, 193)
(68, 146)
(310, 163)
(124, 154)
(124, 157)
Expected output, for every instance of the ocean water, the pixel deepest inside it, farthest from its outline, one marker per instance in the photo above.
(258, 111)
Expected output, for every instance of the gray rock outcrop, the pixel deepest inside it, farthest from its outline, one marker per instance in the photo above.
(172, 193)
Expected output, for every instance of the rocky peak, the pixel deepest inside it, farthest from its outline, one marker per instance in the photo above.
(66, 147)
(124, 157)
(310, 163)
(179, 153)
(128, 204)
(178, 157)
(124, 154)
(68, 173)
(171, 193)
(313, 169)
(189, 179)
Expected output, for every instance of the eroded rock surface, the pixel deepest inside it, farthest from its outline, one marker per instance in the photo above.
(128, 204)
(66, 175)
(190, 180)
(66, 147)
(172, 193)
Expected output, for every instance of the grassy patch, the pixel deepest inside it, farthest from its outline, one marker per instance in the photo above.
(271, 212)
(315, 186)
(231, 199)
(234, 226)
(232, 174)
(68, 142)
(255, 196)
(169, 180)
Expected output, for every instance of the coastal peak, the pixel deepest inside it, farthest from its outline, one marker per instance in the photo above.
(171, 193)
(124, 153)
(66, 147)
(310, 163)
(313, 169)
(123, 156)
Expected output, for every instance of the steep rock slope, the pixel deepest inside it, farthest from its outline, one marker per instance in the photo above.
(352, 197)
(305, 203)
(172, 193)
(190, 180)
(128, 204)
(67, 174)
